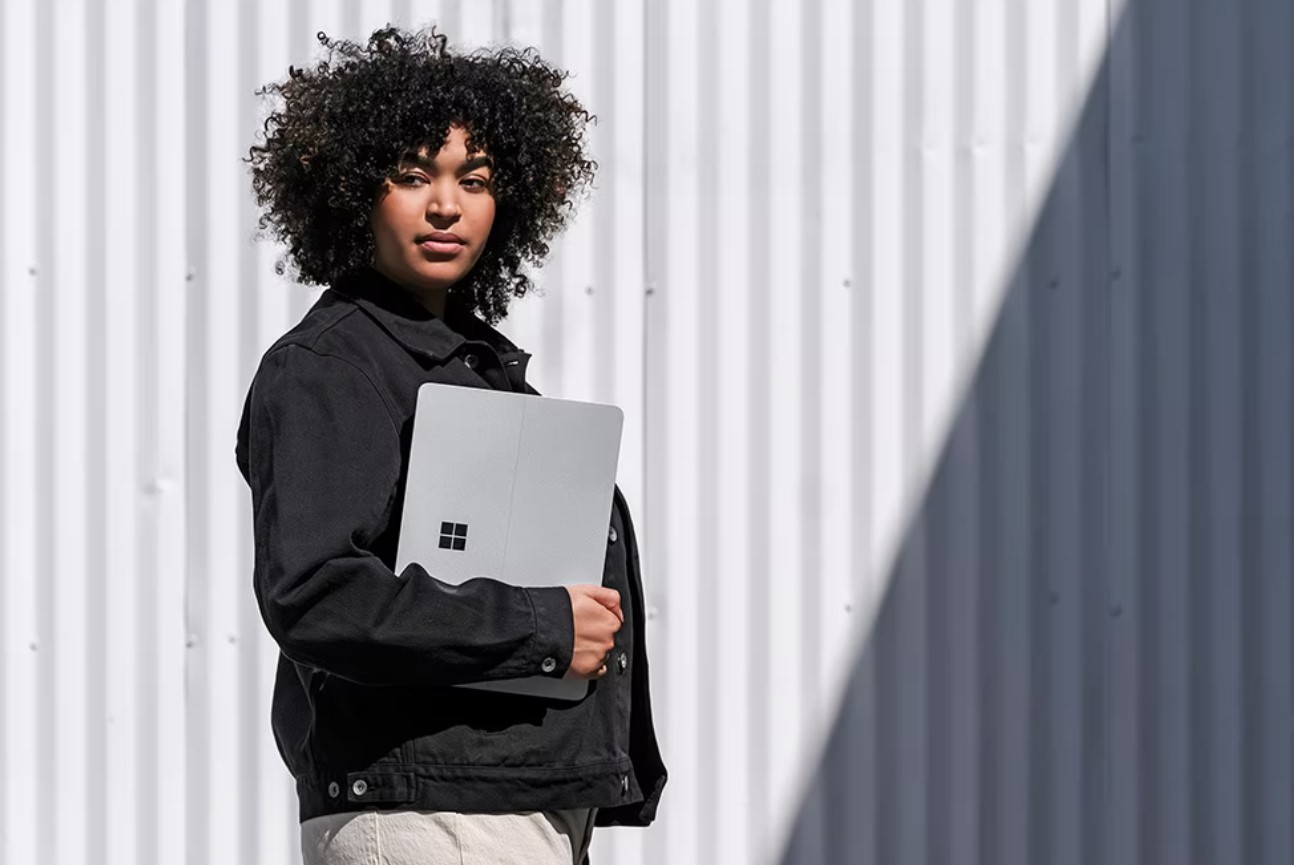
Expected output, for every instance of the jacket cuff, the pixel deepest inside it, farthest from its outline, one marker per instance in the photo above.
(554, 641)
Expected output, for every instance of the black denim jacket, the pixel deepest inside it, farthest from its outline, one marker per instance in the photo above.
(363, 713)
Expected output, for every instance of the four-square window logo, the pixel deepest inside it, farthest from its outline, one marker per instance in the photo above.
(453, 536)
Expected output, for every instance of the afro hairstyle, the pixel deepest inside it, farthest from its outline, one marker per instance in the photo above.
(340, 128)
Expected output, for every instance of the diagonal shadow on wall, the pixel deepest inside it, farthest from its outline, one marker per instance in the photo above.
(1085, 653)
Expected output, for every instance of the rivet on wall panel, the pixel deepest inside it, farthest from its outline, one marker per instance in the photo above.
(233, 638)
(191, 641)
(31, 270)
(651, 288)
(846, 282)
(588, 289)
(33, 646)
(190, 275)
(158, 485)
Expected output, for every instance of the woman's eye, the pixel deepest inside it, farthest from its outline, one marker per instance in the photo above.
(409, 179)
(476, 183)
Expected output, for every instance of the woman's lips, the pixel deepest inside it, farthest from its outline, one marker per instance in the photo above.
(440, 247)
(440, 242)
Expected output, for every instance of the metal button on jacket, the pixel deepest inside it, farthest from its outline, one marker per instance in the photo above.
(360, 787)
(622, 661)
(548, 665)
(612, 535)
(470, 360)
(333, 789)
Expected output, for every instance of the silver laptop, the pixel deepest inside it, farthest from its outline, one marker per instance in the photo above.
(514, 487)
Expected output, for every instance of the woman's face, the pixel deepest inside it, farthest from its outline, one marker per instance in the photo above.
(431, 223)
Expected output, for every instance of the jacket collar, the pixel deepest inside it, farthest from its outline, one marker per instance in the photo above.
(413, 325)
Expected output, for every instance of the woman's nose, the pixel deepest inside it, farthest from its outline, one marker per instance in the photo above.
(442, 202)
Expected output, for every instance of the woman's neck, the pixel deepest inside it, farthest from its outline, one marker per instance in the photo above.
(430, 299)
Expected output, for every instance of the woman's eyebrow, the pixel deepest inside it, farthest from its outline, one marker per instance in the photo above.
(422, 160)
(478, 161)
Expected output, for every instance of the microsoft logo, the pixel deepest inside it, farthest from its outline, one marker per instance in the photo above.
(453, 536)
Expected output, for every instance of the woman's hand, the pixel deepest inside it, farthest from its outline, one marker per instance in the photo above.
(597, 615)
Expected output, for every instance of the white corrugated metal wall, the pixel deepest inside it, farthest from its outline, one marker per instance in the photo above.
(954, 344)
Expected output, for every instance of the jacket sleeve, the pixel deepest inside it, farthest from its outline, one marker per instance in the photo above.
(322, 456)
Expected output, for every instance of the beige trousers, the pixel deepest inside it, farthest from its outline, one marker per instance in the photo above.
(448, 838)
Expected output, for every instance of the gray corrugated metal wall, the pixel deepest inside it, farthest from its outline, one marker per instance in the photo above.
(954, 345)
(1085, 651)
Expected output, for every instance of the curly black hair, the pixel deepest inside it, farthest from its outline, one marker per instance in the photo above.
(344, 124)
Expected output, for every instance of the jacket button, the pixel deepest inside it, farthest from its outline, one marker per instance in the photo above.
(622, 662)
(471, 361)
(360, 787)
(612, 535)
(333, 789)
(624, 784)
(548, 665)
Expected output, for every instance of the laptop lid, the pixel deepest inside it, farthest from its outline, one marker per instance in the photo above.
(510, 486)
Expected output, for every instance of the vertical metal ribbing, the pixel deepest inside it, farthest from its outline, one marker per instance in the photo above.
(1146, 557)
(1004, 447)
(709, 599)
(1199, 355)
(1123, 783)
(1120, 594)
(197, 440)
(96, 458)
(5, 540)
(554, 275)
(1089, 692)
(811, 374)
(856, 831)
(906, 678)
(147, 444)
(402, 13)
(501, 13)
(302, 43)
(1270, 449)
(760, 418)
(251, 724)
(350, 29)
(48, 554)
(1224, 222)
(604, 136)
(1195, 539)
(450, 20)
(961, 555)
(1174, 299)
(656, 413)
(1250, 265)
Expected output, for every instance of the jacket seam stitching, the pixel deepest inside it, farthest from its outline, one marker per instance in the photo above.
(535, 648)
(357, 368)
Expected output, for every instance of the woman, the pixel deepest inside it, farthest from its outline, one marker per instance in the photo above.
(416, 182)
